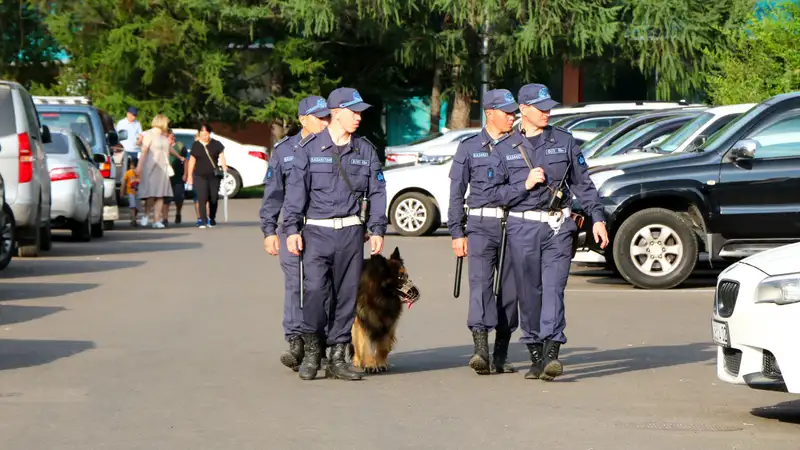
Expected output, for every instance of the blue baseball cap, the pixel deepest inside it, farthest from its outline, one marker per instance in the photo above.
(133, 110)
(538, 96)
(313, 105)
(347, 98)
(501, 99)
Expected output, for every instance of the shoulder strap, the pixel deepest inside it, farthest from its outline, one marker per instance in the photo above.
(521, 148)
(209, 155)
(338, 160)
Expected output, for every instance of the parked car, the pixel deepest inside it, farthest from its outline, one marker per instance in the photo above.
(636, 140)
(409, 153)
(77, 185)
(24, 169)
(247, 164)
(754, 322)
(96, 127)
(6, 229)
(594, 122)
(735, 196)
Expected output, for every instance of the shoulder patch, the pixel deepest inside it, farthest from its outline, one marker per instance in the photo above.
(269, 172)
(581, 160)
(379, 176)
(307, 139)
(284, 139)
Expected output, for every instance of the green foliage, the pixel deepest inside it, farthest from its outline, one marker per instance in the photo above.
(761, 60)
(27, 50)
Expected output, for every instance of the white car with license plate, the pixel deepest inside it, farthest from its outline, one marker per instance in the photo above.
(755, 321)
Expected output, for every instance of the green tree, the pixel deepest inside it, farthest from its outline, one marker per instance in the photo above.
(761, 60)
(28, 53)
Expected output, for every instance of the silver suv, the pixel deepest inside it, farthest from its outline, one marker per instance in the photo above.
(24, 169)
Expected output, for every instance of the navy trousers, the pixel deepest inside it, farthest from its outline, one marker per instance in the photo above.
(541, 261)
(333, 261)
(292, 314)
(483, 249)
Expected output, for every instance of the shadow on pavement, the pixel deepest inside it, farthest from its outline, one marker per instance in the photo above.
(787, 412)
(390, 231)
(138, 235)
(11, 314)
(29, 268)
(698, 279)
(27, 291)
(16, 354)
(121, 248)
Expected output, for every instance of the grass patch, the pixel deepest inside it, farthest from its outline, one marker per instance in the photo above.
(251, 192)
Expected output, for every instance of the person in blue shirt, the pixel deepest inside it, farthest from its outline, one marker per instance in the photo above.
(314, 117)
(335, 189)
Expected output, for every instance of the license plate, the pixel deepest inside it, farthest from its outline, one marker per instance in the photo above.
(720, 334)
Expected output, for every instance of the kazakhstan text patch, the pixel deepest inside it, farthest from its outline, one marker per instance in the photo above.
(556, 151)
(321, 160)
(288, 158)
(360, 162)
(480, 155)
(514, 157)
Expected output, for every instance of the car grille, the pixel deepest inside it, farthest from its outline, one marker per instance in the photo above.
(770, 367)
(733, 359)
(725, 297)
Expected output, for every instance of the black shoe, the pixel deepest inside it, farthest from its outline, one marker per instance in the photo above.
(338, 367)
(552, 366)
(177, 219)
(292, 357)
(537, 361)
(500, 362)
(323, 363)
(212, 222)
(480, 360)
(311, 358)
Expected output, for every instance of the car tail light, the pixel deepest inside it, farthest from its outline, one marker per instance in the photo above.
(25, 158)
(64, 173)
(105, 169)
(259, 155)
(391, 157)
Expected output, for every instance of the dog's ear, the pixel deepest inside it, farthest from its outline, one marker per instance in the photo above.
(396, 254)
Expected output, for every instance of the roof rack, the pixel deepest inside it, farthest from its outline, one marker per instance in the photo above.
(54, 100)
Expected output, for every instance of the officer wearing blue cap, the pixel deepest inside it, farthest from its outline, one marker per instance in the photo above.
(314, 117)
(541, 229)
(335, 189)
(476, 165)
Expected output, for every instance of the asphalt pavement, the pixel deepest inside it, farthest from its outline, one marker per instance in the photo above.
(170, 339)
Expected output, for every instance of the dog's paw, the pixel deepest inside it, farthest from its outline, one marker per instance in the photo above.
(381, 368)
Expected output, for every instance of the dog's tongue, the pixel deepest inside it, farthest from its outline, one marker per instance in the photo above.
(408, 302)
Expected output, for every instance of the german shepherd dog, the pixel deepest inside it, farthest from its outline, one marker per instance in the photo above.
(383, 289)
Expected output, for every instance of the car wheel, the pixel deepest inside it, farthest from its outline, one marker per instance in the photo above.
(30, 249)
(46, 240)
(232, 183)
(414, 214)
(7, 237)
(108, 224)
(98, 229)
(655, 249)
(82, 231)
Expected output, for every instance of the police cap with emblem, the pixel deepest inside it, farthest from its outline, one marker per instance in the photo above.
(538, 96)
(501, 99)
(313, 105)
(347, 98)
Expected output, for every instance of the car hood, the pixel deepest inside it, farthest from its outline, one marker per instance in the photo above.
(663, 162)
(419, 172)
(619, 159)
(777, 261)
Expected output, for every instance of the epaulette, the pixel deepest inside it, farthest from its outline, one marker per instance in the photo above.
(368, 141)
(564, 130)
(285, 138)
(306, 140)
(467, 137)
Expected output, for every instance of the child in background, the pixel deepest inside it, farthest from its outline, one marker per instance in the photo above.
(130, 183)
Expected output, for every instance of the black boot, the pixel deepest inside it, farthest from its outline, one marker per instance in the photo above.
(480, 360)
(294, 355)
(500, 358)
(552, 366)
(537, 361)
(311, 358)
(338, 367)
(323, 363)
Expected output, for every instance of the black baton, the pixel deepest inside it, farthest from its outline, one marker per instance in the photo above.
(498, 276)
(302, 275)
(459, 267)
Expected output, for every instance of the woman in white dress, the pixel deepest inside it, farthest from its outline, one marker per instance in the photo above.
(153, 170)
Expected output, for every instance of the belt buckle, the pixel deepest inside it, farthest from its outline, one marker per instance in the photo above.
(338, 223)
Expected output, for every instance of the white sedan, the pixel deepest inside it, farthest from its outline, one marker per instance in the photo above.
(754, 323)
(247, 164)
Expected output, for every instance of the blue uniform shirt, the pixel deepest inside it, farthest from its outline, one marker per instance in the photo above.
(316, 188)
(554, 151)
(477, 165)
(280, 163)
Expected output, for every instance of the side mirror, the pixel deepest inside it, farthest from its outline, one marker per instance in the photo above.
(744, 149)
(121, 135)
(635, 150)
(99, 158)
(112, 138)
(46, 137)
(699, 140)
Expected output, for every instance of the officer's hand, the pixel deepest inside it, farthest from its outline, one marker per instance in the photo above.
(460, 247)
(535, 177)
(376, 242)
(272, 245)
(600, 234)
(294, 244)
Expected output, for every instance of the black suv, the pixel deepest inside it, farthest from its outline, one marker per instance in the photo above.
(735, 195)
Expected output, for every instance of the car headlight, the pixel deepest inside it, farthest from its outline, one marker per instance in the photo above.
(599, 178)
(437, 159)
(781, 290)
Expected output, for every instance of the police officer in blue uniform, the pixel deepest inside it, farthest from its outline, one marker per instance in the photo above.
(334, 190)
(476, 165)
(314, 116)
(540, 236)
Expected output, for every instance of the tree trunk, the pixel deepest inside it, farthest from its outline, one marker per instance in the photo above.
(278, 126)
(461, 108)
(436, 97)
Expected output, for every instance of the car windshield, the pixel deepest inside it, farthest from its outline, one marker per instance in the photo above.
(683, 133)
(590, 146)
(627, 139)
(79, 123)
(724, 133)
(58, 145)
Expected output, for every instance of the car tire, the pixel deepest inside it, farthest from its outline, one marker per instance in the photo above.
(82, 231)
(657, 264)
(98, 229)
(236, 180)
(405, 213)
(7, 238)
(30, 249)
(108, 224)
(46, 240)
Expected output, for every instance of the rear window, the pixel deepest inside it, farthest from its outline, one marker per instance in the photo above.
(59, 144)
(8, 120)
(78, 123)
